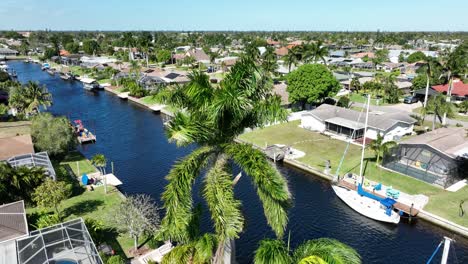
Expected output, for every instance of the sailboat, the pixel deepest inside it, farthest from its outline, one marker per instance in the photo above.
(363, 202)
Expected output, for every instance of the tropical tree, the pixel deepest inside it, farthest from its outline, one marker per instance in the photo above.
(417, 56)
(137, 215)
(100, 161)
(50, 194)
(315, 51)
(135, 68)
(316, 251)
(198, 251)
(355, 84)
(19, 183)
(292, 58)
(455, 64)
(269, 60)
(380, 147)
(52, 134)
(90, 46)
(464, 106)
(30, 97)
(440, 108)
(311, 83)
(213, 118)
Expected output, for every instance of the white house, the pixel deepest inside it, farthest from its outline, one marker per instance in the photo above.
(350, 124)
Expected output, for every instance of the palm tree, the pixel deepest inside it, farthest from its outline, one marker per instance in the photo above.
(129, 42)
(316, 251)
(440, 108)
(213, 118)
(269, 60)
(199, 251)
(100, 161)
(454, 64)
(430, 64)
(316, 51)
(135, 68)
(30, 97)
(380, 147)
(292, 58)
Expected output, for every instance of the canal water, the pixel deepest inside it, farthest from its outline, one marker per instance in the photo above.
(133, 138)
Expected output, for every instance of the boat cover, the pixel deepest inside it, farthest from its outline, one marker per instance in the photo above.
(387, 202)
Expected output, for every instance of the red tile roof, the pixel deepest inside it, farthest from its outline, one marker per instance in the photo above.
(459, 88)
(282, 51)
(64, 53)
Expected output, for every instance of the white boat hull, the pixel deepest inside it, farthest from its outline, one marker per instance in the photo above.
(366, 206)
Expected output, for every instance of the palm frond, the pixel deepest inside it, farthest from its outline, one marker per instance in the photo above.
(224, 207)
(204, 248)
(177, 196)
(330, 250)
(179, 254)
(185, 129)
(272, 251)
(271, 186)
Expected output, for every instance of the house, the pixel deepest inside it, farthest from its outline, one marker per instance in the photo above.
(4, 52)
(438, 157)
(404, 86)
(15, 146)
(348, 123)
(68, 242)
(281, 90)
(283, 51)
(459, 89)
(199, 55)
(361, 55)
(29, 160)
(337, 54)
(273, 43)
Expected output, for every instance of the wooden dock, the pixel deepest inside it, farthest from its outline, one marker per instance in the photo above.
(86, 137)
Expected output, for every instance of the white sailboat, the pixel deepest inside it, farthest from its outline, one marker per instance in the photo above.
(363, 202)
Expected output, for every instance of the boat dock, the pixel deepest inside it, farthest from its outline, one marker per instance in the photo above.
(410, 204)
(276, 152)
(123, 96)
(157, 107)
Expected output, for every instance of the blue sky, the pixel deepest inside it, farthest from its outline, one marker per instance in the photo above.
(387, 15)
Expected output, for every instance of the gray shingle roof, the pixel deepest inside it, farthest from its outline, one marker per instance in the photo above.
(380, 121)
(12, 221)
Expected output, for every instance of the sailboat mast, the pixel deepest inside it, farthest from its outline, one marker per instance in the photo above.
(446, 250)
(361, 169)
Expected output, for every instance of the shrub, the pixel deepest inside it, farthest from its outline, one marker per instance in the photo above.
(115, 260)
(343, 102)
(46, 220)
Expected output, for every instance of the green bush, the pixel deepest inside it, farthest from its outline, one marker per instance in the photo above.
(46, 220)
(115, 260)
(154, 243)
(343, 102)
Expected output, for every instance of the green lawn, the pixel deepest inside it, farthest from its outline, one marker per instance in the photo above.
(78, 163)
(104, 81)
(359, 98)
(11, 129)
(149, 100)
(319, 148)
(99, 206)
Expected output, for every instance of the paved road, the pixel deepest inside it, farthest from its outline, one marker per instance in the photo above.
(408, 108)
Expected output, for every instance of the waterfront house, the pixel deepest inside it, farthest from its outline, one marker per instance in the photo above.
(346, 123)
(13, 225)
(15, 146)
(438, 157)
(4, 52)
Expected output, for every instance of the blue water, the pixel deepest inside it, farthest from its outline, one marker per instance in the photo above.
(133, 138)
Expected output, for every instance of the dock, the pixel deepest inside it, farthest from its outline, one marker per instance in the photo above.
(123, 96)
(110, 179)
(86, 137)
(276, 152)
(157, 107)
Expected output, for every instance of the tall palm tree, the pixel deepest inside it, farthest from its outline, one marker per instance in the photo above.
(380, 147)
(315, 52)
(316, 251)
(292, 58)
(213, 118)
(135, 68)
(454, 64)
(430, 64)
(129, 42)
(269, 60)
(30, 97)
(100, 161)
(440, 108)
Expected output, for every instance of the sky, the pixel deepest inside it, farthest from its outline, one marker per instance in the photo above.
(244, 15)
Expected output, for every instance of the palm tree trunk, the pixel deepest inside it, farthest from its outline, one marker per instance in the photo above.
(434, 121)
(135, 242)
(219, 255)
(449, 95)
(427, 91)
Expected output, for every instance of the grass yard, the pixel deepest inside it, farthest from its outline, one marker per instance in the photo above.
(104, 81)
(358, 98)
(457, 115)
(11, 129)
(78, 163)
(319, 148)
(149, 100)
(99, 206)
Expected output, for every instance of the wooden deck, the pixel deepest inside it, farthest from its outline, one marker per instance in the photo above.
(87, 139)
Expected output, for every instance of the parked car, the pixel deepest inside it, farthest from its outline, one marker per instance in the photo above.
(410, 100)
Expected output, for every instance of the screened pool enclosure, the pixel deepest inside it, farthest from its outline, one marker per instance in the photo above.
(425, 163)
(65, 243)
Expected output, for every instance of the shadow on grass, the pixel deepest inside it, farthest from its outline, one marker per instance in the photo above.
(82, 208)
(65, 174)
